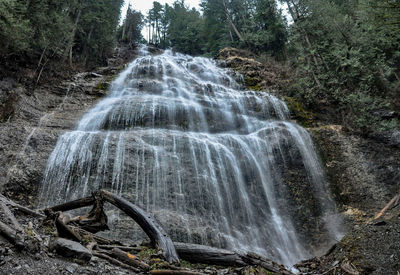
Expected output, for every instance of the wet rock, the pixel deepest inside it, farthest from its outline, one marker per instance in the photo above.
(363, 172)
(395, 138)
(30, 125)
(71, 249)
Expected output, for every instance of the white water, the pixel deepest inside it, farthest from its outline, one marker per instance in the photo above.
(179, 137)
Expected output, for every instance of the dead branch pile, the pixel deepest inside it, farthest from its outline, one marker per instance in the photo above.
(83, 228)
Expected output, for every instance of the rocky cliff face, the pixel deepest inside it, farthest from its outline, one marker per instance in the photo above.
(32, 119)
(363, 171)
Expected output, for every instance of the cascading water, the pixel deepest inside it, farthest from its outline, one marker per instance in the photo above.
(214, 163)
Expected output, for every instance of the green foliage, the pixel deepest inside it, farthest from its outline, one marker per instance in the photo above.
(256, 25)
(176, 26)
(130, 31)
(33, 27)
(185, 29)
(146, 252)
(96, 33)
(12, 22)
(267, 32)
(252, 24)
(44, 30)
(347, 56)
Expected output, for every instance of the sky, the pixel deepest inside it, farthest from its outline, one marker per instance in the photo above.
(145, 5)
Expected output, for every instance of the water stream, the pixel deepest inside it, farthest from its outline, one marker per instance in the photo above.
(216, 164)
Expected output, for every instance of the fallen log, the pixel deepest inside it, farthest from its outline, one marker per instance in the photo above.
(129, 259)
(20, 207)
(63, 229)
(391, 202)
(175, 272)
(196, 253)
(114, 261)
(155, 232)
(255, 259)
(98, 239)
(123, 248)
(11, 235)
(87, 201)
(191, 252)
(11, 217)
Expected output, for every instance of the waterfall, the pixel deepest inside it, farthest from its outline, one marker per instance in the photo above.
(214, 163)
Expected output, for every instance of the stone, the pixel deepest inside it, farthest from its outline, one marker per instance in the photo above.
(71, 268)
(68, 248)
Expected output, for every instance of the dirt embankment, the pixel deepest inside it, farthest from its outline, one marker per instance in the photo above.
(363, 173)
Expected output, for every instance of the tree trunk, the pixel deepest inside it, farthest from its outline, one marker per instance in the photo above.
(72, 36)
(231, 22)
(196, 253)
(294, 12)
(129, 259)
(155, 232)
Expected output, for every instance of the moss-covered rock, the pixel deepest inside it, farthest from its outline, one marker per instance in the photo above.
(298, 111)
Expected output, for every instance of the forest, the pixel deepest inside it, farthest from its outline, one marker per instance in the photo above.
(238, 137)
(342, 53)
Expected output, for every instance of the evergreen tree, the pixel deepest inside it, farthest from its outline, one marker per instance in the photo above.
(257, 25)
(96, 34)
(130, 31)
(12, 22)
(345, 58)
(184, 29)
(44, 30)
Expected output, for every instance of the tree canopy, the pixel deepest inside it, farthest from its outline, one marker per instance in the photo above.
(83, 30)
(344, 53)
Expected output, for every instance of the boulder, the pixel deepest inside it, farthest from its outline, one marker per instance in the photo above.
(71, 249)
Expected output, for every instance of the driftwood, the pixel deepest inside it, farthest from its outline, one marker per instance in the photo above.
(116, 252)
(12, 235)
(393, 202)
(155, 232)
(63, 230)
(175, 272)
(114, 261)
(20, 207)
(195, 253)
(87, 201)
(123, 248)
(11, 217)
(129, 259)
